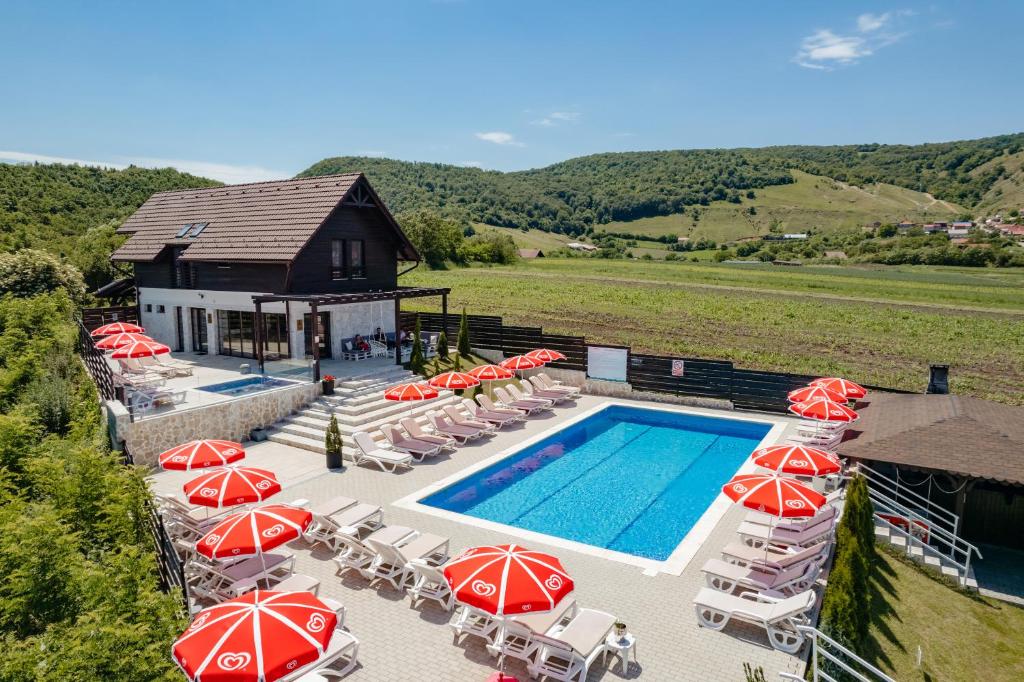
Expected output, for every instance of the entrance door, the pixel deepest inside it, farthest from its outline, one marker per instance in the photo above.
(323, 331)
(197, 317)
(179, 332)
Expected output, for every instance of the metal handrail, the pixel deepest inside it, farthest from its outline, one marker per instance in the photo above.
(817, 637)
(896, 508)
(882, 480)
(964, 566)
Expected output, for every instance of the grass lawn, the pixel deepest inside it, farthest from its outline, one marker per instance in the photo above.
(882, 326)
(962, 637)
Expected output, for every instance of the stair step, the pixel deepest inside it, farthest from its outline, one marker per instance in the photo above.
(297, 441)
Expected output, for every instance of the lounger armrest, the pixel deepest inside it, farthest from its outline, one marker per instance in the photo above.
(763, 596)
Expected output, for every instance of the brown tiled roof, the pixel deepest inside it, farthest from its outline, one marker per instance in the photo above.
(958, 434)
(262, 221)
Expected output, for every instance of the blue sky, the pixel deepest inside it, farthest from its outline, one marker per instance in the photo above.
(253, 90)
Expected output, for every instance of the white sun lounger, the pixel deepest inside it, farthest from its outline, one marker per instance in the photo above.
(530, 391)
(459, 419)
(725, 577)
(568, 654)
(474, 622)
(518, 395)
(392, 560)
(528, 406)
(416, 431)
(774, 560)
(354, 553)
(756, 535)
(762, 519)
(488, 405)
(219, 583)
(419, 449)
(342, 515)
(462, 434)
(518, 636)
(428, 582)
(338, 660)
(540, 382)
(151, 364)
(498, 419)
(368, 451)
(779, 616)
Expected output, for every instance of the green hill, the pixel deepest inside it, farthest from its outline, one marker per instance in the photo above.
(584, 194)
(1006, 193)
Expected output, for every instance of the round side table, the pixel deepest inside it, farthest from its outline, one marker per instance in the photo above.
(621, 647)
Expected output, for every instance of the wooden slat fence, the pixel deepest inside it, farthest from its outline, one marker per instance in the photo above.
(764, 391)
(97, 366)
(97, 317)
(701, 378)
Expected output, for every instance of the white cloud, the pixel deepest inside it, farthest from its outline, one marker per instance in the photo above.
(499, 137)
(556, 118)
(231, 174)
(826, 49)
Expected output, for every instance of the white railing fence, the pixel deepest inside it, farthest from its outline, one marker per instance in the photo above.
(832, 662)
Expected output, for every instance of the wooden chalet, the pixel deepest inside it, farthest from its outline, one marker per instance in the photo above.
(245, 270)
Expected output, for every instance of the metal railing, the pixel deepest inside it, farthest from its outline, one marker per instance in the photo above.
(829, 657)
(892, 489)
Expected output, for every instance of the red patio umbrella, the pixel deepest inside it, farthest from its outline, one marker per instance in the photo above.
(406, 392)
(199, 454)
(775, 495)
(824, 410)
(847, 389)
(258, 637)
(490, 373)
(454, 381)
(545, 355)
(811, 392)
(797, 459)
(255, 531)
(231, 485)
(520, 362)
(140, 349)
(505, 580)
(119, 340)
(117, 328)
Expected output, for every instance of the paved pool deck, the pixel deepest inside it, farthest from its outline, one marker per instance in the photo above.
(402, 644)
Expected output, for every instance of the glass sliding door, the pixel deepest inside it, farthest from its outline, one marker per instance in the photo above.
(235, 332)
(197, 317)
(275, 336)
(323, 330)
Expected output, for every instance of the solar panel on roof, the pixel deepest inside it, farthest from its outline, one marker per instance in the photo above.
(197, 229)
(182, 231)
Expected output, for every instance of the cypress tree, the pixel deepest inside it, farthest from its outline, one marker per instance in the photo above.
(416, 360)
(332, 440)
(442, 345)
(464, 349)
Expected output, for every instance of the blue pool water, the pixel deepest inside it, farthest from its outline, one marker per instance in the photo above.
(246, 386)
(628, 479)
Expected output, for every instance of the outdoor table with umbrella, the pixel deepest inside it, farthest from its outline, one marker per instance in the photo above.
(844, 387)
(200, 454)
(260, 636)
(507, 580)
(489, 374)
(117, 328)
(225, 486)
(119, 340)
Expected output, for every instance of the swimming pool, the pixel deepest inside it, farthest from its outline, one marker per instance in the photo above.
(631, 480)
(246, 386)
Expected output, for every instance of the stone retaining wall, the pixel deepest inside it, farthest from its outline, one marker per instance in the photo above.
(231, 419)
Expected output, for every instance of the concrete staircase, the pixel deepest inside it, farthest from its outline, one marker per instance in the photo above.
(359, 405)
(924, 554)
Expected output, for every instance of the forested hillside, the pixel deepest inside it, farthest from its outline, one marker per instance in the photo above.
(590, 191)
(72, 210)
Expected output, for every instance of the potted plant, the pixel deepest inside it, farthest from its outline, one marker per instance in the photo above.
(328, 384)
(620, 630)
(332, 445)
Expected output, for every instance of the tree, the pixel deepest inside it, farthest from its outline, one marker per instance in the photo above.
(442, 345)
(437, 239)
(463, 343)
(29, 272)
(332, 439)
(417, 361)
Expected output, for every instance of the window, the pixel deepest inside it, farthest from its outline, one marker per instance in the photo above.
(183, 231)
(275, 336)
(149, 307)
(356, 264)
(235, 332)
(337, 259)
(197, 229)
(160, 309)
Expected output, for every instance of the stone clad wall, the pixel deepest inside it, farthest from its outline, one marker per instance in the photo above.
(231, 419)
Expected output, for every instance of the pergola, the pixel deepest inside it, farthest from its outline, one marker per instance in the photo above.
(317, 300)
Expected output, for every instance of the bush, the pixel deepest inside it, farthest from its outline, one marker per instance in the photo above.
(442, 345)
(332, 439)
(29, 272)
(463, 342)
(417, 361)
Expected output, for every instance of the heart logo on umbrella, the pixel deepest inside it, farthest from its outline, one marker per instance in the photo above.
(316, 623)
(179, 458)
(199, 622)
(798, 462)
(212, 539)
(263, 485)
(231, 661)
(740, 488)
(208, 492)
(554, 582)
(483, 589)
(273, 531)
(795, 504)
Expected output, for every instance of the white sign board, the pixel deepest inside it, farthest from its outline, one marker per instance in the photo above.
(607, 364)
(678, 369)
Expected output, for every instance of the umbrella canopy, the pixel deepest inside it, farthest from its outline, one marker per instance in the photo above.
(117, 328)
(490, 373)
(227, 486)
(545, 355)
(199, 454)
(140, 349)
(782, 497)
(506, 580)
(797, 459)
(404, 392)
(518, 362)
(824, 410)
(454, 381)
(119, 340)
(254, 531)
(847, 389)
(811, 392)
(259, 637)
